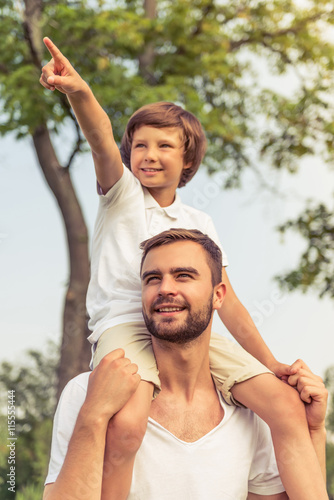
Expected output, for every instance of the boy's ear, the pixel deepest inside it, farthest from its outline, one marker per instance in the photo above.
(188, 165)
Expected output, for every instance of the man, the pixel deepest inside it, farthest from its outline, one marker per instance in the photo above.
(196, 446)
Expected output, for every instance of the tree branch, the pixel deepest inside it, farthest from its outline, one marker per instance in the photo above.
(205, 11)
(31, 27)
(4, 69)
(77, 147)
(234, 45)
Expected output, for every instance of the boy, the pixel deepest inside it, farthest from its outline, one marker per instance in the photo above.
(164, 145)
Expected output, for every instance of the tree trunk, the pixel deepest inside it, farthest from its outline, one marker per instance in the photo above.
(146, 59)
(75, 352)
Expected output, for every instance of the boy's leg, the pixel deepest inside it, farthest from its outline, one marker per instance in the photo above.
(279, 405)
(127, 428)
(244, 381)
(125, 433)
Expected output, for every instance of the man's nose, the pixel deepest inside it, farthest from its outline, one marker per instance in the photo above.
(167, 286)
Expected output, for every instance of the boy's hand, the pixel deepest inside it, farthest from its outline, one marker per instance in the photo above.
(281, 370)
(59, 73)
(111, 384)
(312, 392)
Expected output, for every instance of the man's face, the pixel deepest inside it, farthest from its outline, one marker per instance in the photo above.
(177, 292)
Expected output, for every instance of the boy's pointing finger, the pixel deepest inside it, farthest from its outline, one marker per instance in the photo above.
(53, 49)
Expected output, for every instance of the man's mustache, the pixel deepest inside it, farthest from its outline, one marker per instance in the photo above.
(170, 302)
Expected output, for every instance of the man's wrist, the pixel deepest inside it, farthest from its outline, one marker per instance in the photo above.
(89, 420)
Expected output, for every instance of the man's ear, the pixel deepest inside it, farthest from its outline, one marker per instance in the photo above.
(219, 293)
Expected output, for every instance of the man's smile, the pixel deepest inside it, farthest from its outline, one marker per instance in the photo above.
(168, 308)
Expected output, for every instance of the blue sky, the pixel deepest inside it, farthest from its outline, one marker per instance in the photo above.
(34, 269)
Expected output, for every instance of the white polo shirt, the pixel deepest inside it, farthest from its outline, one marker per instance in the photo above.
(128, 215)
(234, 458)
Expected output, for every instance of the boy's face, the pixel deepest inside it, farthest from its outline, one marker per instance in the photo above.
(157, 159)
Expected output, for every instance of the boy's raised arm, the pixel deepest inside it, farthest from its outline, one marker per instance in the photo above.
(94, 122)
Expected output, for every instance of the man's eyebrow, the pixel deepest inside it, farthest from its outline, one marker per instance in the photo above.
(190, 270)
(173, 270)
(151, 272)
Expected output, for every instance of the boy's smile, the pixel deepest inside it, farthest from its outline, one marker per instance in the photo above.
(157, 160)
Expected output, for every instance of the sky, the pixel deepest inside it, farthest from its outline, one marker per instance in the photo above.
(34, 267)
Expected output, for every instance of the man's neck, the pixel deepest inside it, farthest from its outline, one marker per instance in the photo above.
(188, 404)
(184, 368)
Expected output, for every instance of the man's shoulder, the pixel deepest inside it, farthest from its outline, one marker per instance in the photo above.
(240, 415)
(77, 384)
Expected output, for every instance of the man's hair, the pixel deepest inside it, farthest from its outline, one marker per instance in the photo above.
(213, 252)
(167, 114)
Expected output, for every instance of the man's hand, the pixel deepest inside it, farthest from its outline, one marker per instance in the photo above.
(312, 391)
(111, 384)
(59, 73)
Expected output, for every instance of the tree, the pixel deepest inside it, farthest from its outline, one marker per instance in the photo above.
(206, 55)
(316, 266)
(35, 385)
(329, 382)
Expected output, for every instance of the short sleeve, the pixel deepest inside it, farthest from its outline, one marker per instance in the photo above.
(211, 231)
(70, 403)
(264, 478)
(126, 187)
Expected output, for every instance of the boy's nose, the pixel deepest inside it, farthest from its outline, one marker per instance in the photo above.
(151, 155)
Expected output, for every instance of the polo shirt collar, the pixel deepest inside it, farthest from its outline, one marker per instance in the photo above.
(172, 211)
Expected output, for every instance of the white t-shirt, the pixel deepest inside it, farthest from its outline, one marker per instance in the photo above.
(128, 215)
(234, 458)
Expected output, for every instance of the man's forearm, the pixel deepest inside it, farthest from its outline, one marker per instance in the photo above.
(318, 438)
(81, 474)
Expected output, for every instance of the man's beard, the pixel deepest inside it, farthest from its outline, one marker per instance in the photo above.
(172, 330)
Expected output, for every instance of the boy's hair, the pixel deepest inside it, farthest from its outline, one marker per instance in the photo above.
(213, 252)
(167, 114)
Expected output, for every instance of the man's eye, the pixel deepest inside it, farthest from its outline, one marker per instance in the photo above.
(184, 275)
(152, 278)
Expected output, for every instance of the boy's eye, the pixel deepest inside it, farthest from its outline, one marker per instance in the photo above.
(165, 145)
(139, 145)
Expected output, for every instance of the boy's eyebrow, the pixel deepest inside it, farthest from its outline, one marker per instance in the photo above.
(139, 139)
(173, 270)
